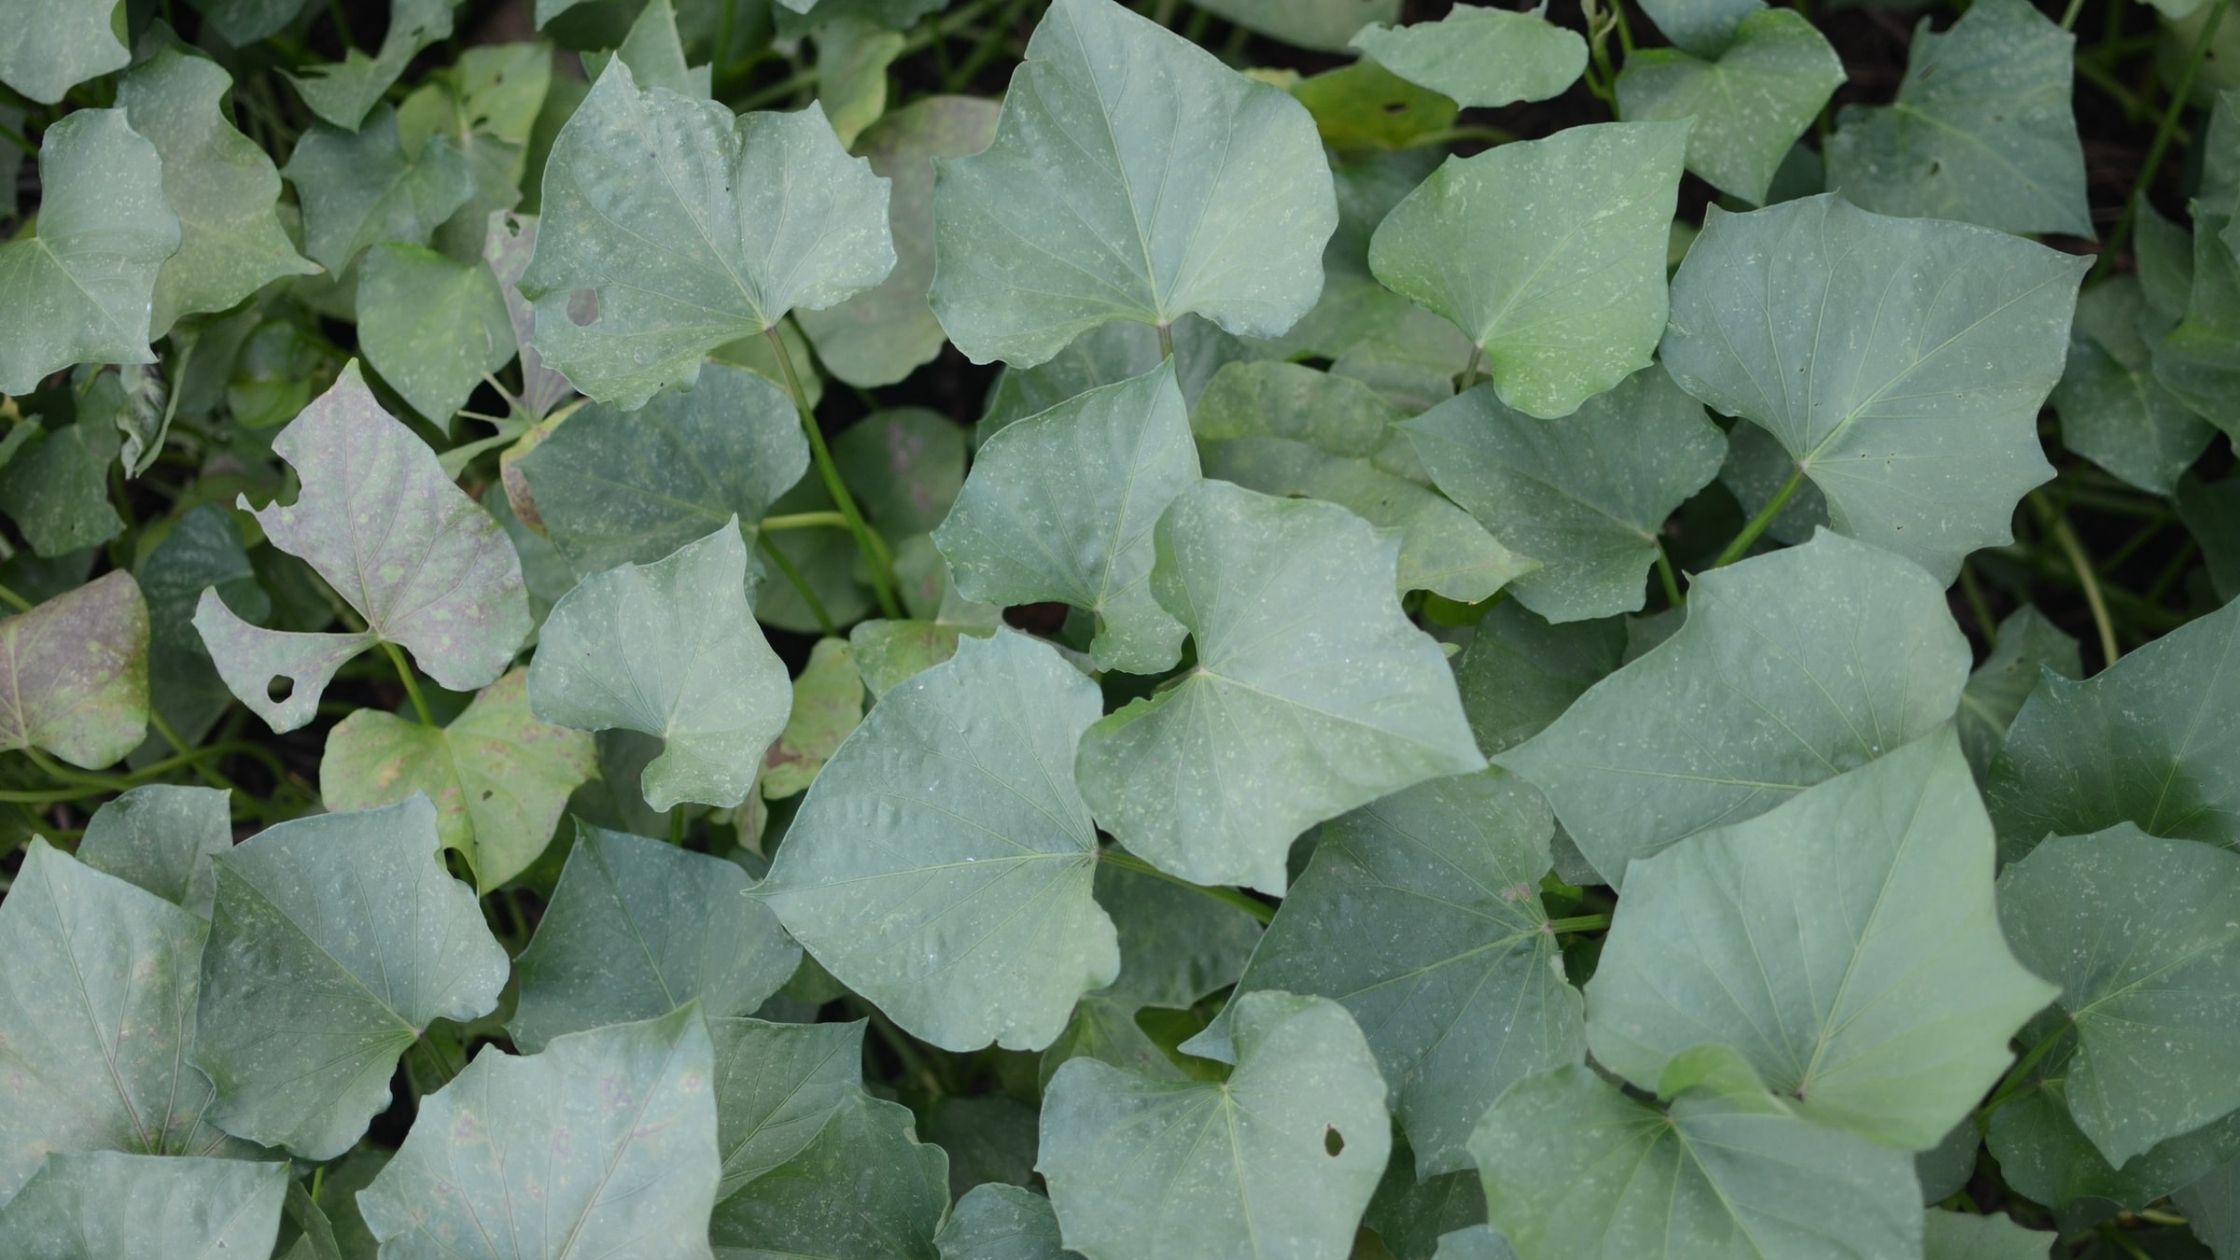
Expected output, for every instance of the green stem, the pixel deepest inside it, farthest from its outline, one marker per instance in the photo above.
(1166, 341)
(1470, 369)
(2018, 1076)
(1972, 591)
(2088, 579)
(800, 585)
(2162, 136)
(411, 686)
(1127, 861)
(13, 600)
(1672, 596)
(1456, 135)
(874, 550)
(179, 746)
(2069, 15)
(803, 520)
(1579, 923)
(1758, 525)
(83, 779)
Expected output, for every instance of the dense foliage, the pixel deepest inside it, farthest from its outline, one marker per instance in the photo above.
(1287, 628)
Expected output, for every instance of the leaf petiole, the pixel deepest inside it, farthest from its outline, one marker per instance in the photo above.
(1758, 524)
(411, 685)
(1127, 861)
(875, 554)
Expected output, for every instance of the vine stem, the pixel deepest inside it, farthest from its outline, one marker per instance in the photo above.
(2069, 15)
(1578, 923)
(1665, 574)
(411, 685)
(875, 553)
(1166, 341)
(15, 601)
(1470, 369)
(2162, 136)
(2088, 578)
(800, 585)
(1758, 525)
(1127, 861)
(804, 520)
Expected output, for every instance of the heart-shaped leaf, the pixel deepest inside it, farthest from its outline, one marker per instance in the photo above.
(864, 1188)
(362, 188)
(431, 326)
(2114, 411)
(776, 1086)
(161, 838)
(103, 1205)
(54, 45)
(1133, 177)
(1750, 103)
(669, 649)
(941, 864)
(76, 673)
(1481, 56)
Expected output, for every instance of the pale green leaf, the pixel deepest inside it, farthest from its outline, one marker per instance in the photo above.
(1844, 942)
(1278, 1161)
(342, 92)
(1323, 25)
(638, 928)
(2152, 740)
(1750, 103)
(615, 487)
(1982, 129)
(1061, 506)
(1901, 362)
(1960, 1236)
(1791, 669)
(82, 288)
(1000, 1222)
(603, 1145)
(161, 838)
(2114, 411)
(669, 649)
(499, 778)
(54, 45)
(424, 565)
(1421, 914)
(2195, 361)
(776, 1086)
(827, 705)
(1366, 108)
(510, 242)
(1312, 694)
(102, 1205)
(363, 189)
(670, 227)
(1133, 177)
(1549, 254)
(864, 1189)
(1285, 429)
(2027, 646)
(218, 181)
(334, 941)
(2138, 931)
(1586, 496)
(852, 59)
(941, 864)
(1481, 56)
(882, 334)
(1573, 1168)
(432, 327)
(76, 673)
(96, 1014)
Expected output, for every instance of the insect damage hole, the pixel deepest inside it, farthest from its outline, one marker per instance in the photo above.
(1333, 1142)
(279, 687)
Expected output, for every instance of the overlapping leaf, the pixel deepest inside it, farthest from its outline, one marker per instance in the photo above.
(1481, 56)
(54, 45)
(362, 188)
(161, 839)
(102, 1205)
(432, 327)
(2114, 411)
(1749, 103)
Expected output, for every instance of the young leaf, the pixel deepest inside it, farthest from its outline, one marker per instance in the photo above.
(83, 288)
(218, 181)
(161, 839)
(76, 673)
(669, 649)
(363, 189)
(1061, 505)
(999, 1222)
(776, 1085)
(2195, 361)
(1883, 1009)
(2114, 411)
(54, 45)
(605, 1144)
(1279, 1160)
(1133, 177)
(616, 487)
(499, 778)
(1791, 669)
(2151, 740)
(1284, 429)
(638, 928)
(2138, 931)
(882, 334)
(1313, 694)
(1586, 496)
(1717, 1175)
(102, 1205)
(1549, 254)
(95, 1020)
(671, 227)
(827, 705)
(941, 864)
(1421, 913)
(2027, 646)
(1901, 362)
(334, 941)
(1750, 103)
(1981, 131)
(432, 327)
(341, 92)
(864, 1188)
(1481, 56)
(421, 562)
